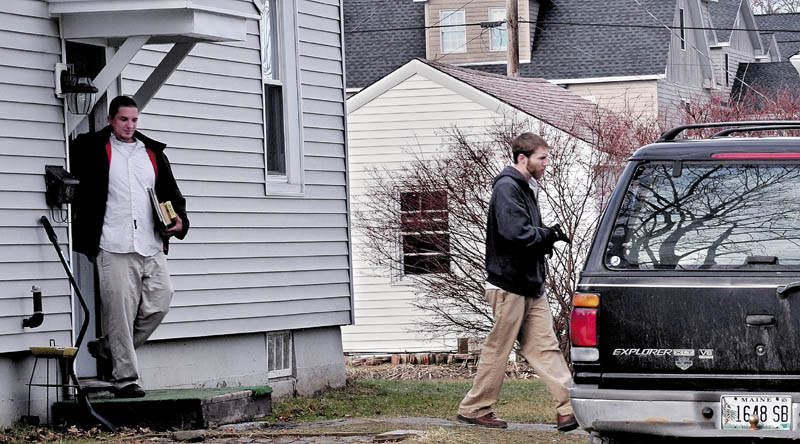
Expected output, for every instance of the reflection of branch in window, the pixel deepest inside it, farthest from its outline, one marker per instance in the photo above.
(708, 213)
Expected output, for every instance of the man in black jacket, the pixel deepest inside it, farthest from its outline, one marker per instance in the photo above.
(116, 227)
(516, 245)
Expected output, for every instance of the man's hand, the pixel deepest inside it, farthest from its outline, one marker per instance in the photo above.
(175, 229)
(560, 235)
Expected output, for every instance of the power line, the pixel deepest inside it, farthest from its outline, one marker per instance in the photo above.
(375, 7)
(451, 13)
(584, 24)
(445, 54)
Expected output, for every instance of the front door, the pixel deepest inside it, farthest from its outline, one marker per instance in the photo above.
(87, 60)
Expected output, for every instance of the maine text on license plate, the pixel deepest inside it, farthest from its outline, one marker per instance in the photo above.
(773, 412)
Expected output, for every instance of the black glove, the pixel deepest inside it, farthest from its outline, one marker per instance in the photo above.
(559, 234)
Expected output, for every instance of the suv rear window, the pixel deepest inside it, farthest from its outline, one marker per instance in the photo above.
(701, 216)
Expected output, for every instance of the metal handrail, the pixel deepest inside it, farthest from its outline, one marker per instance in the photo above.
(70, 367)
(669, 135)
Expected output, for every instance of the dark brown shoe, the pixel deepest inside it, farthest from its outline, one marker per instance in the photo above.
(565, 423)
(487, 420)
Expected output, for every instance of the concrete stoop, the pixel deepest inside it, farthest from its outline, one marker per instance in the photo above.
(194, 408)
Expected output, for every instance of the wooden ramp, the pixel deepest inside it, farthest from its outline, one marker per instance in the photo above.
(195, 408)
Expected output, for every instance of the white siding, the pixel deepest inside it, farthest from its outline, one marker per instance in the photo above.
(686, 66)
(251, 262)
(412, 115)
(31, 136)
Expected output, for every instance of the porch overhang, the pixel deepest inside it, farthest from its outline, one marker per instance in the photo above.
(163, 21)
(128, 25)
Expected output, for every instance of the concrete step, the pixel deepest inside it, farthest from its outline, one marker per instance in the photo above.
(97, 389)
(193, 408)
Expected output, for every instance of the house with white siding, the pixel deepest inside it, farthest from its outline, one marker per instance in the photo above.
(405, 116)
(248, 95)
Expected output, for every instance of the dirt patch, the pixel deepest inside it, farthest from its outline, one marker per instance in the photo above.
(516, 370)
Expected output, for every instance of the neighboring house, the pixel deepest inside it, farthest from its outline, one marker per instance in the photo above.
(401, 37)
(784, 31)
(768, 78)
(404, 114)
(643, 66)
(250, 100)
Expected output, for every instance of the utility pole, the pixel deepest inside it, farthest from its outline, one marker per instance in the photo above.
(512, 30)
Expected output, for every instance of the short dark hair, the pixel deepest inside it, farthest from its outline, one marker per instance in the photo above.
(119, 102)
(526, 144)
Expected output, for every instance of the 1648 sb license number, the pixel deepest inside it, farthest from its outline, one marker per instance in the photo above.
(771, 412)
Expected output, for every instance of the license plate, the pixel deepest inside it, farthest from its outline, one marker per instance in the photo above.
(773, 412)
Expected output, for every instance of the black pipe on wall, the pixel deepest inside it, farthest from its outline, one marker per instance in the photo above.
(38, 317)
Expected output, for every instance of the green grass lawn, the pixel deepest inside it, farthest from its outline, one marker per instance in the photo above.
(522, 400)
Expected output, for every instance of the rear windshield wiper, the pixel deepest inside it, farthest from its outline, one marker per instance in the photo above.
(761, 260)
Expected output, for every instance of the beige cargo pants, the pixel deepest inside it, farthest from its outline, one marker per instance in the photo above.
(528, 320)
(135, 294)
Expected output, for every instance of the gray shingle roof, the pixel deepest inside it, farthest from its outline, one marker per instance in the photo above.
(372, 55)
(723, 15)
(569, 51)
(788, 42)
(559, 51)
(769, 78)
(539, 98)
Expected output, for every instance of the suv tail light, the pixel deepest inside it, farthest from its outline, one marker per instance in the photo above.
(583, 320)
(583, 327)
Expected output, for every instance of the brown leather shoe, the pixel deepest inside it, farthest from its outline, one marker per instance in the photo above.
(487, 420)
(565, 423)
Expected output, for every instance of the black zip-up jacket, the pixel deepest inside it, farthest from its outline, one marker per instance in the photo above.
(89, 163)
(516, 241)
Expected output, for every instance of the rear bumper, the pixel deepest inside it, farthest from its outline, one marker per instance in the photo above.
(663, 413)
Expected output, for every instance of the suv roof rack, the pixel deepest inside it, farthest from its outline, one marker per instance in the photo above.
(729, 131)
(669, 135)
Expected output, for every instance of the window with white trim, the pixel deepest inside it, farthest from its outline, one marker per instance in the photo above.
(453, 33)
(281, 96)
(279, 354)
(682, 25)
(498, 37)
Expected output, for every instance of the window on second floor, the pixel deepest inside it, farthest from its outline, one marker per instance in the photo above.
(281, 100)
(453, 33)
(727, 71)
(682, 25)
(425, 237)
(498, 37)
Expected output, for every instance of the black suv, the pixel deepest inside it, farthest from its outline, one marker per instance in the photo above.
(686, 319)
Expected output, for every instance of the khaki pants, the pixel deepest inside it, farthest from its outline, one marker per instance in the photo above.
(528, 320)
(135, 293)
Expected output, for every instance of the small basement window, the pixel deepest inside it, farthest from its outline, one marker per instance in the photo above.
(279, 354)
